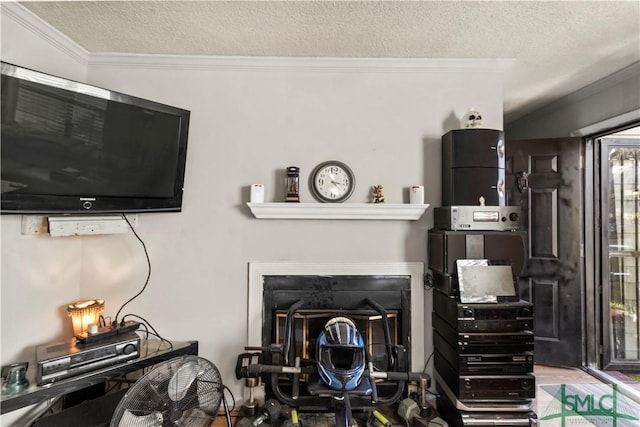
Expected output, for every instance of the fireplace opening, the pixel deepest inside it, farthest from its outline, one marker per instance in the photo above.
(323, 297)
(308, 325)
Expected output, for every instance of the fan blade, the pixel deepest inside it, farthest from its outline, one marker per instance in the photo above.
(182, 380)
(128, 419)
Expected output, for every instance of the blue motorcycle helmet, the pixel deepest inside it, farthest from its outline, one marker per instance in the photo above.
(340, 354)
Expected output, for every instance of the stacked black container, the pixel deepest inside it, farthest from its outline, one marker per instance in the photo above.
(483, 352)
(473, 162)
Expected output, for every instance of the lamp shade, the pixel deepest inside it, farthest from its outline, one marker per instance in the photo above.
(84, 313)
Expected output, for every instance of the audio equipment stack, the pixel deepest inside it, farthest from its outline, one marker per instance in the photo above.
(482, 332)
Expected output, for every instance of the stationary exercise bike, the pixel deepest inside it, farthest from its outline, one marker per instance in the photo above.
(341, 379)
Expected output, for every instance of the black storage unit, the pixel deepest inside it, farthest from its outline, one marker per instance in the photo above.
(473, 166)
(499, 247)
(445, 247)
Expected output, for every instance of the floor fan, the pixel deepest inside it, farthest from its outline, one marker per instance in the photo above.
(181, 392)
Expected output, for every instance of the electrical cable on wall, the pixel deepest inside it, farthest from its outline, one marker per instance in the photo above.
(115, 321)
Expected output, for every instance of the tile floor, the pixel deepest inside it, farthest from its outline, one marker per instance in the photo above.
(588, 393)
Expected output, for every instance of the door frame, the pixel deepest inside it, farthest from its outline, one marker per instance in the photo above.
(592, 237)
(601, 179)
(596, 294)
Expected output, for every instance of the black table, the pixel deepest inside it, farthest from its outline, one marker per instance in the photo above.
(152, 351)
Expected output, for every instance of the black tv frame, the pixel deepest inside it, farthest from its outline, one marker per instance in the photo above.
(42, 204)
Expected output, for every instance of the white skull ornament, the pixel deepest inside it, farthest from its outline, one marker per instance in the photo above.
(472, 119)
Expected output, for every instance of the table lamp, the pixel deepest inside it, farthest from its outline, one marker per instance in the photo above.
(85, 313)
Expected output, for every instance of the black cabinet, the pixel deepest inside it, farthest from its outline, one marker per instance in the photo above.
(473, 163)
(466, 148)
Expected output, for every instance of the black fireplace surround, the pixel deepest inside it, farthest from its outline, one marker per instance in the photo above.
(327, 296)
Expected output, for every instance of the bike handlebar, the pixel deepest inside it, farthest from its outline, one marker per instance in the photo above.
(397, 376)
(257, 369)
(401, 378)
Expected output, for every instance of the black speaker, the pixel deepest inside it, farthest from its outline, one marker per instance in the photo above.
(473, 163)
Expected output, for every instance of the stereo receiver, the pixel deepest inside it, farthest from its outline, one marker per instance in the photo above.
(486, 387)
(484, 342)
(495, 317)
(484, 363)
(487, 218)
(70, 358)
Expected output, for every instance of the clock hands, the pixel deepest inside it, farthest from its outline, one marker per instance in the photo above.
(333, 181)
(337, 187)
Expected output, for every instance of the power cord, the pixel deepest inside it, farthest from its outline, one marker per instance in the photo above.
(225, 404)
(148, 326)
(146, 282)
(426, 364)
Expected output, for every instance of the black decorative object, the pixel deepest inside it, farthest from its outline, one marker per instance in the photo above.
(293, 184)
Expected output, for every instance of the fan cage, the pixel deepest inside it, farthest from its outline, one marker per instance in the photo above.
(184, 391)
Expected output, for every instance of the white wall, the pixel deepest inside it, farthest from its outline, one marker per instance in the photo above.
(31, 276)
(250, 118)
(38, 275)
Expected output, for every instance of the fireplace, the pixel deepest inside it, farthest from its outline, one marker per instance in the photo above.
(329, 287)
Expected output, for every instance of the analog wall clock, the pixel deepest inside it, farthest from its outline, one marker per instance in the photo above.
(332, 182)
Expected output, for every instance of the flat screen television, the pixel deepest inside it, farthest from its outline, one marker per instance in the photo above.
(69, 147)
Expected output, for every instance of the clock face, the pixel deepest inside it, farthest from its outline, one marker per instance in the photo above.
(332, 181)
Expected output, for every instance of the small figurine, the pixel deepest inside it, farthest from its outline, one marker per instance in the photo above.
(378, 197)
(472, 119)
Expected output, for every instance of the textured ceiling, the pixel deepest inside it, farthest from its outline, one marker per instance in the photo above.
(558, 46)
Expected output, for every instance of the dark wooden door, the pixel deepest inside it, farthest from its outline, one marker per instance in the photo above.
(551, 198)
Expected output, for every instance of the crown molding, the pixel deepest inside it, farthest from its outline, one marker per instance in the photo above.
(32, 23)
(242, 63)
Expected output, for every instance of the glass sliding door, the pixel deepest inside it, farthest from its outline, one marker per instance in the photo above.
(620, 196)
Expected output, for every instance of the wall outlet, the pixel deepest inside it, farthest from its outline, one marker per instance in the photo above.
(85, 225)
(32, 225)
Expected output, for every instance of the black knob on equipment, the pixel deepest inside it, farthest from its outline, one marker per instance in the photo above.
(128, 349)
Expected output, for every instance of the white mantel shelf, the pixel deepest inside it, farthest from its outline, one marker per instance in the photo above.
(377, 211)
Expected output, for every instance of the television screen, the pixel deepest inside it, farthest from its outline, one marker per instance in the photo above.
(68, 147)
